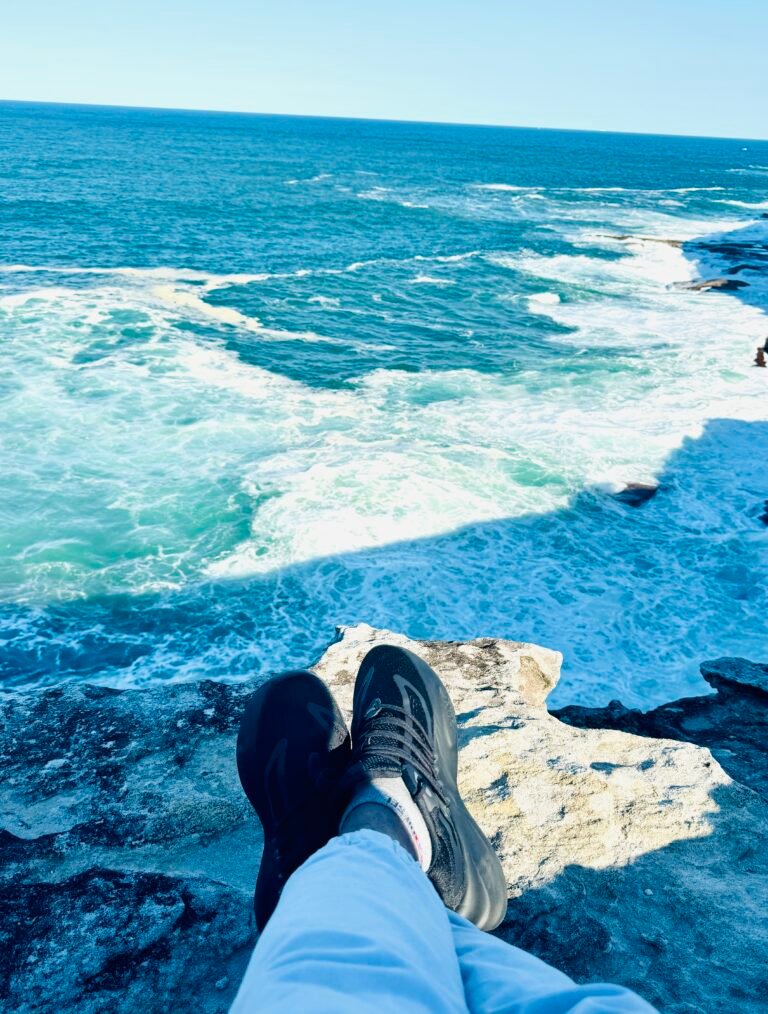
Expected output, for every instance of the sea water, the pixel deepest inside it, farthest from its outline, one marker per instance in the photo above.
(265, 375)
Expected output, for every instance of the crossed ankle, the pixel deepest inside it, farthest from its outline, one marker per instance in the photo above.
(384, 804)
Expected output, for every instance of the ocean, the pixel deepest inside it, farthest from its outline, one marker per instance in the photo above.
(265, 375)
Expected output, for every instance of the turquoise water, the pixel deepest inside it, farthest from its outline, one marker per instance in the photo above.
(266, 375)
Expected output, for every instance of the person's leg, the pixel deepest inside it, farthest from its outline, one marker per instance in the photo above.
(499, 978)
(359, 928)
(348, 923)
(405, 758)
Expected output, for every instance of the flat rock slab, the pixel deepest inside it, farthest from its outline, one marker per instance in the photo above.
(128, 853)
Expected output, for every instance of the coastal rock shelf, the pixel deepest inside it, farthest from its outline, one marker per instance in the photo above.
(633, 843)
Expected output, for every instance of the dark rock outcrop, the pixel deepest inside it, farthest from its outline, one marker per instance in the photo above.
(625, 237)
(128, 853)
(723, 284)
(635, 494)
(732, 723)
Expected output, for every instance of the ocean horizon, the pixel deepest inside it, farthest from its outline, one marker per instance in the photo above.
(265, 374)
(203, 111)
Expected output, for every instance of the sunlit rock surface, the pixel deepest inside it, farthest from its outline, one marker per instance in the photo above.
(128, 854)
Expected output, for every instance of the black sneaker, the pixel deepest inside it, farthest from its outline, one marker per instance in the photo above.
(404, 726)
(292, 750)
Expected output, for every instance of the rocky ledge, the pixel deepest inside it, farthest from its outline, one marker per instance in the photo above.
(634, 844)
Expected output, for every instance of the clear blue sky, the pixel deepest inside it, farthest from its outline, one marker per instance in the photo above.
(668, 66)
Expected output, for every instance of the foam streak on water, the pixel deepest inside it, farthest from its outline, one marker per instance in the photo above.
(406, 404)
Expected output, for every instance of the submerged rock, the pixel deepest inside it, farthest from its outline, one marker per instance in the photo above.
(129, 854)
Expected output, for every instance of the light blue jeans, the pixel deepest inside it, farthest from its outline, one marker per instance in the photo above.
(360, 929)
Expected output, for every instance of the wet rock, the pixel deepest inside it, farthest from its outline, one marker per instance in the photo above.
(736, 677)
(723, 284)
(635, 494)
(631, 852)
(629, 238)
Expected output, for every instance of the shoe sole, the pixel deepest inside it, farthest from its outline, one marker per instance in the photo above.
(485, 898)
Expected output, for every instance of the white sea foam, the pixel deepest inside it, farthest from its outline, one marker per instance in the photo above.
(189, 301)
(595, 190)
(318, 178)
(386, 194)
(659, 263)
(430, 280)
(53, 294)
(215, 368)
(644, 226)
(493, 471)
(418, 258)
(208, 279)
(449, 258)
(750, 205)
(176, 297)
(649, 275)
(377, 193)
(511, 187)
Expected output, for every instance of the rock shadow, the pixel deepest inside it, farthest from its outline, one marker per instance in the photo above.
(684, 926)
(634, 596)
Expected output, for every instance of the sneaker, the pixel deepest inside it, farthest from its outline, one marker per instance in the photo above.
(404, 726)
(292, 750)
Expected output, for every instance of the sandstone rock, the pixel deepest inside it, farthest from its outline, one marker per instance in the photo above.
(527, 672)
(128, 862)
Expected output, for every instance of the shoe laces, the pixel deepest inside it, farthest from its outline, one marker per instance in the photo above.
(389, 734)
